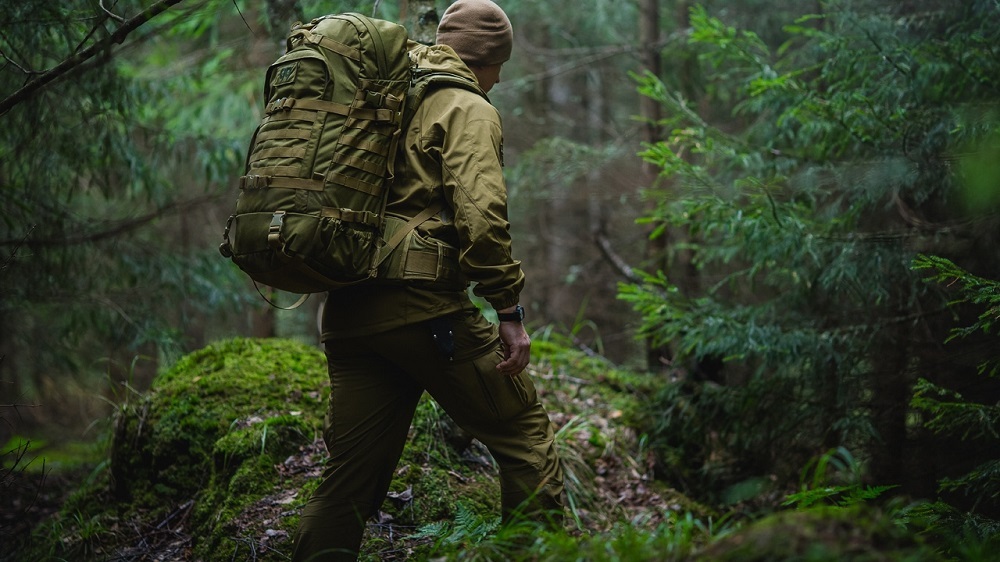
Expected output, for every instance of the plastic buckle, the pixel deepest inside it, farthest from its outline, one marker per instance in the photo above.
(274, 230)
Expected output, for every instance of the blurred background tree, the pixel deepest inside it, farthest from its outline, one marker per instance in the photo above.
(108, 175)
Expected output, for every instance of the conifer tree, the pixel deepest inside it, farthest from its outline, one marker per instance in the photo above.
(807, 181)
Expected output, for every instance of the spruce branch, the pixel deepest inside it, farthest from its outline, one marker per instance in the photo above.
(115, 228)
(76, 59)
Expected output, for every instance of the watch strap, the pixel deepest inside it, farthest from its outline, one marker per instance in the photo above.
(516, 316)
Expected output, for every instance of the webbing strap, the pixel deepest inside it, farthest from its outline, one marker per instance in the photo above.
(284, 133)
(279, 152)
(266, 177)
(413, 223)
(378, 44)
(337, 47)
(297, 183)
(284, 171)
(372, 114)
(348, 215)
(264, 181)
(296, 304)
(377, 146)
(291, 108)
(356, 184)
(290, 115)
(359, 164)
(287, 104)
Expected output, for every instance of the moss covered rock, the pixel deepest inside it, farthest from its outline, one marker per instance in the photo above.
(859, 533)
(217, 408)
(217, 460)
(228, 439)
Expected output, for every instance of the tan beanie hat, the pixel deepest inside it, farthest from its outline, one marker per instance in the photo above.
(478, 30)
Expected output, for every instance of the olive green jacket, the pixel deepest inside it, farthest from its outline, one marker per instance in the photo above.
(451, 152)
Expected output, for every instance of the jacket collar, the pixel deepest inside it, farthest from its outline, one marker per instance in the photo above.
(439, 58)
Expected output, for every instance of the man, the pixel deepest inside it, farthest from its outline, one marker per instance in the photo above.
(386, 343)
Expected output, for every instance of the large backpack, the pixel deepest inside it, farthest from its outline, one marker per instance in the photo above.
(310, 215)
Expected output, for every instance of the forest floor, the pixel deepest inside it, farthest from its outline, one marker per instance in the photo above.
(65, 509)
(32, 494)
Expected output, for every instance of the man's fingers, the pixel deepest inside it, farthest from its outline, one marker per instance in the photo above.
(516, 348)
(514, 363)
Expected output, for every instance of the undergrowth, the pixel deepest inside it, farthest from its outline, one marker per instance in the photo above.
(259, 465)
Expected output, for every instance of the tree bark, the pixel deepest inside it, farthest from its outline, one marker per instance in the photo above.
(420, 19)
(650, 110)
(281, 14)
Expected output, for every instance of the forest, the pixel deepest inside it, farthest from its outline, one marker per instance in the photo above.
(760, 285)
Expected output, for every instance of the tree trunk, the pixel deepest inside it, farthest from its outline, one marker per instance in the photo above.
(281, 14)
(562, 222)
(650, 110)
(420, 19)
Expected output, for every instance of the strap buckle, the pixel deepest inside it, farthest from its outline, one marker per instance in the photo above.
(274, 230)
(254, 182)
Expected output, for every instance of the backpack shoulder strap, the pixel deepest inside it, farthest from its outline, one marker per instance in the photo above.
(428, 212)
(423, 81)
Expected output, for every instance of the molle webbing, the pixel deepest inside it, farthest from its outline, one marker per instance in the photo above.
(311, 210)
(262, 182)
(302, 35)
(385, 114)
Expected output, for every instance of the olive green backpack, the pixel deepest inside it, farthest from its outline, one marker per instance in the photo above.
(310, 216)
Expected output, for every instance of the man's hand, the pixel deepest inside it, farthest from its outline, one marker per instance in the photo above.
(516, 347)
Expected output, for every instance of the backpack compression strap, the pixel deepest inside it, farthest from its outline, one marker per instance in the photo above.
(413, 223)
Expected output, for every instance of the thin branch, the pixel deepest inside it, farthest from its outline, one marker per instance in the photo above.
(11, 61)
(616, 261)
(115, 229)
(76, 59)
(242, 17)
(112, 15)
(13, 254)
(183, 509)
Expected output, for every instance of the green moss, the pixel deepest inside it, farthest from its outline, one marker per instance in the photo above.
(167, 443)
(857, 533)
(574, 379)
(431, 475)
(214, 427)
(36, 455)
(217, 426)
(276, 438)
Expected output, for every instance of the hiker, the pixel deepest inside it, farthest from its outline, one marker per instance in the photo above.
(388, 343)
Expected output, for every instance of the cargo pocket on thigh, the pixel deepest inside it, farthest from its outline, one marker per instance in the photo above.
(505, 396)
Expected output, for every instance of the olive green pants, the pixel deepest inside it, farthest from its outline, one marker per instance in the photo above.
(376, 383)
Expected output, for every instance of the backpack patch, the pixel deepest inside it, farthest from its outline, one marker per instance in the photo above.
(285, 75)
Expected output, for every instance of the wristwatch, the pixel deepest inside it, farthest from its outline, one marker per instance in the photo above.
(516, 316)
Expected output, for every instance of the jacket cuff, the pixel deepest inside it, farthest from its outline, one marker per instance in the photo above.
(506, 303)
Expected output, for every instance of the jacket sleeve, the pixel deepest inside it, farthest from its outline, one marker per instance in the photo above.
(474, 187)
